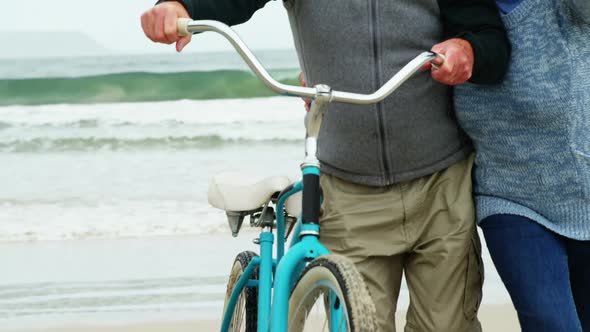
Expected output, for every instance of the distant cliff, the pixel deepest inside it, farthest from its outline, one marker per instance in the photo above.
(19, 44)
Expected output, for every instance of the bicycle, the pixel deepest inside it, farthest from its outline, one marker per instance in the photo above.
(277, 294)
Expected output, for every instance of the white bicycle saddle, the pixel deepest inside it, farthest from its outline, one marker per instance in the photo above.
(239, 192)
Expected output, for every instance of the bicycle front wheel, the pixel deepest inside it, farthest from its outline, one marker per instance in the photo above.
(245, 315)
(331, 295)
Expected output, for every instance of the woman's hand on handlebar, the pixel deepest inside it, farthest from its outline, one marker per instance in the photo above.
(456, 64)
(160, 24)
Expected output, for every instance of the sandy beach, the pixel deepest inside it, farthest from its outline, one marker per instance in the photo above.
(158, 284)
(501, 318)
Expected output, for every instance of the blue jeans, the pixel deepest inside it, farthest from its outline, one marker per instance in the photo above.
(546, 274)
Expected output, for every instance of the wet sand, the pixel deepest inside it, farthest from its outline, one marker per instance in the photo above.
(500, 318)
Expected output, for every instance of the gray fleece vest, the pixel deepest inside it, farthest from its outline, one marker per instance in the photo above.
(356, 46)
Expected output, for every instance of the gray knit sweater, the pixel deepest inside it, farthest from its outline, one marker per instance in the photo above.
(532, 132)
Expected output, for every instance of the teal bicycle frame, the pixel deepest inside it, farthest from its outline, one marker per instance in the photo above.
(279, 274)
(305, 246)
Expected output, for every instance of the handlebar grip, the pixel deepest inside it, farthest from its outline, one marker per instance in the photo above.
(182, 26)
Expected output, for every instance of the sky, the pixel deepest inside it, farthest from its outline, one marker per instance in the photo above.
(115, 25)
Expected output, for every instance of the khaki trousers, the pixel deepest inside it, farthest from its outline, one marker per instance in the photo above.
(424, 228)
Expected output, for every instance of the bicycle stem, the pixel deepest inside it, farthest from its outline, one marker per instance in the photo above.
(311, 165)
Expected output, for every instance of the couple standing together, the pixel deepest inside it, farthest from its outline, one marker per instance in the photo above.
(401, 177)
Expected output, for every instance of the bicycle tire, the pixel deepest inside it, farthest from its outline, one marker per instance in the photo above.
(339, 275)
(247, 304)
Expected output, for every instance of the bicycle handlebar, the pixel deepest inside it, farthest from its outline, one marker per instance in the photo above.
(187, 26)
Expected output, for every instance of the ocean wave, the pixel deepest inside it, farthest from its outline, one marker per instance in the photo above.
(135, 87)
(132, 144)
(111, 296)
(111, 219)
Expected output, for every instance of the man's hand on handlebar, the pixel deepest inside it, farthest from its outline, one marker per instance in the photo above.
(160, 24)
(456, 64)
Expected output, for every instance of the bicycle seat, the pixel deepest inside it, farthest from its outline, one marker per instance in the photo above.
(239, 192)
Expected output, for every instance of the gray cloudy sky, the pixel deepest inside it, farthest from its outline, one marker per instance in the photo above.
(115, 24)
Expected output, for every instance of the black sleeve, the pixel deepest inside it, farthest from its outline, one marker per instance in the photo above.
(479, 22)
(230, 12)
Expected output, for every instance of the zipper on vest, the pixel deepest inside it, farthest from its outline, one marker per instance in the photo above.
(377, 80)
